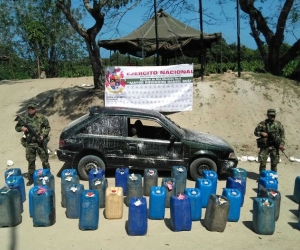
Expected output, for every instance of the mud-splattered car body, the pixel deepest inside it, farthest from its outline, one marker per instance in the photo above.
(138, 139)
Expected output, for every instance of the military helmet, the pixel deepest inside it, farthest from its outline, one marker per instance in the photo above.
(271, 112)
(31, 105)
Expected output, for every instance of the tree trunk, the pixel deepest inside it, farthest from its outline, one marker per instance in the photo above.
(96, 61)
(89, 35)
(38, 66)
(274, 67)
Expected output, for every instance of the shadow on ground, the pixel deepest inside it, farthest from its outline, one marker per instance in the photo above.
(70, 103)
(248, 224)
(252, 175)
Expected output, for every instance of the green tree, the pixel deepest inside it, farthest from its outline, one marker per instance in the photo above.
(5, 24)
(37, 31)
(270, 29)
(97, 10)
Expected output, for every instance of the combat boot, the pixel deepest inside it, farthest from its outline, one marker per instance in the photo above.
(30, 180)
(262, 167)
(274, 167)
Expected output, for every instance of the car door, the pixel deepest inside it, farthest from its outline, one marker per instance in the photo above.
(150, 149)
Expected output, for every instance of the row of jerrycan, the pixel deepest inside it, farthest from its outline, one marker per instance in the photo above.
(41, 196)
(43, 192)
(158, 197)
(178, 177)
(225, 207)
(84, 204)
(132, 184)
(180, 221)
(268, 190)
(209, 176)
(13, 195)
(189, 200)
(134, 190)
(135, 186)
(235, 188)
(266, 206)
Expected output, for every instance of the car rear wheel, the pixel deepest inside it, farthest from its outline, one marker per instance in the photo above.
(87, 163)
(200, 164)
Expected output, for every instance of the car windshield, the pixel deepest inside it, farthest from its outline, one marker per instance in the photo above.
(172, 124)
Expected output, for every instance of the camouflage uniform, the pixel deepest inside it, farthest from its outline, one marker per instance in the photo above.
(270, 146)
(41, 126)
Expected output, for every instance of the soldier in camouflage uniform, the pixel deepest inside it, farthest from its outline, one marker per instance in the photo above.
(272, 139)
(34, 145)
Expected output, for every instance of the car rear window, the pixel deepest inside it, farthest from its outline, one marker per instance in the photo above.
(105, 125)
(78, 120)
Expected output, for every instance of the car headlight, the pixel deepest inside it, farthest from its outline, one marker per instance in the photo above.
(232, 156)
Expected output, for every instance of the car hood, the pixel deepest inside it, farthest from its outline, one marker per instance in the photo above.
(205, 138)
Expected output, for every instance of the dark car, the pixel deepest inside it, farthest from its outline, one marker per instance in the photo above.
(110, 137)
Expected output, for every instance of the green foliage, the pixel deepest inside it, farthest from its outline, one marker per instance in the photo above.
(216, 68)
(38, 32)
(14, 68)
(116, 4)
(17, 69)
(291, 67)
(224, 52)
(75, 68)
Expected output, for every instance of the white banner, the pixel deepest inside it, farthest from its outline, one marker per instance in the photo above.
(163, 88)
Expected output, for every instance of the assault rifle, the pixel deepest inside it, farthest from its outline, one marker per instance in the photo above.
(273, 139)
(282, 150)
(32, 133)
(276, 142)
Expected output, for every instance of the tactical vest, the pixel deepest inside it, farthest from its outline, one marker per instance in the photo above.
(36, 123)
(273, 130)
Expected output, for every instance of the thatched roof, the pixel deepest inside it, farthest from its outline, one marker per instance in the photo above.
(174, 38)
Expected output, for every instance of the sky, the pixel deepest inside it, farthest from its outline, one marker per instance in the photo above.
(226, 25)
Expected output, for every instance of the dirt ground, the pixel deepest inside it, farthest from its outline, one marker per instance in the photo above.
(223, 105)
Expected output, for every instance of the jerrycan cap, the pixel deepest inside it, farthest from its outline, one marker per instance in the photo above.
(90, 194)
(180, 169)
(98, 182)
(151, 172)
(68, 178)
(73, 189)
(138, 203)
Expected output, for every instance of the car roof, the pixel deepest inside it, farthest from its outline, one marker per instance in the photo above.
(124, 111)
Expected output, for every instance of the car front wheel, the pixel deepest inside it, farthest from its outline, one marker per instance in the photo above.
(87, 163)
(200, 164)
